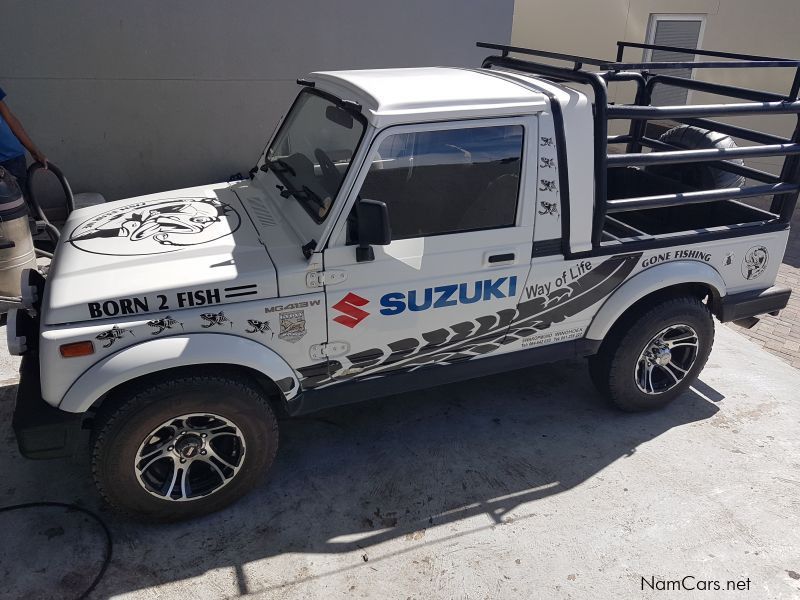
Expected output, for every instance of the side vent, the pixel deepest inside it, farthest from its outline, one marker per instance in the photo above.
(262, 213)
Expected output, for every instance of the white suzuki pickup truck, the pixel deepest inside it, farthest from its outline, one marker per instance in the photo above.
(404, 228)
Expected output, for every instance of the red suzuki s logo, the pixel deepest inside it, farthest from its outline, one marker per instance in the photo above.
(349, 305)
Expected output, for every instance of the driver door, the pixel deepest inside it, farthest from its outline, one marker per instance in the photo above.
(445, 289)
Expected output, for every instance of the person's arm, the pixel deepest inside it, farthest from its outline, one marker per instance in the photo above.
(18, 130)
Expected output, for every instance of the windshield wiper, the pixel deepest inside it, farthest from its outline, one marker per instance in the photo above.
(305, 193)
(278, 166)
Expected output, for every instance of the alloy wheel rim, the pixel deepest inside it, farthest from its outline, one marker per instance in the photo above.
(666, 359)
(190, 457)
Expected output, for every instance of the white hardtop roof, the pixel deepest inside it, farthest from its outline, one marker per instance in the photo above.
(391, 96)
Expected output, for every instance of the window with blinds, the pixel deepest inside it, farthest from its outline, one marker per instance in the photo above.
(683, 32)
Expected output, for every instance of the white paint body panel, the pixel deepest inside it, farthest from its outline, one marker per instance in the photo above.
(294, 324)
(170, 352)
(396, 96)
(140, 254)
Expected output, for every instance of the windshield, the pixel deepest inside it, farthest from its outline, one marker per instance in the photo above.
(313, 150)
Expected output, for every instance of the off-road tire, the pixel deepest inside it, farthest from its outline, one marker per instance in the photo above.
(698, 176)
(125, 422)
(613, 368)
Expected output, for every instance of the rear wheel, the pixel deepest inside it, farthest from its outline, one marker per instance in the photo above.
(654, 353)
(183, 447)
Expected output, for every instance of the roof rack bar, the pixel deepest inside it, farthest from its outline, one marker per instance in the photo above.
(736, 131)
(619, 139)
(656, 144)
(556, 55)
(746, 172)
(701, 197)
(624, 225)
(622, 45)
(648, 66)
(723, 165)
(672, 157)
(700, 110)
(714, 88)
(785, 204)
(795, 91)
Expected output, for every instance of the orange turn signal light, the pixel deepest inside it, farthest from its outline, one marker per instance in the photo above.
(76, 349)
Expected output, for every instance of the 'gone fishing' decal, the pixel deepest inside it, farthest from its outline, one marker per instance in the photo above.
(544, 305)
(156, 227)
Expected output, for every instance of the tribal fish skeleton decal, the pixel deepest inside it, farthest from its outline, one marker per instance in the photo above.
(212, 319)
(259, 327)
(162, 324)
(112, 335)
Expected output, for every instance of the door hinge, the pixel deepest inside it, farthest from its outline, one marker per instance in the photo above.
(320, 351)
(322, 278)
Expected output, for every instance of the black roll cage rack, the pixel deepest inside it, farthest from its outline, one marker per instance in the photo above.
(783, 188)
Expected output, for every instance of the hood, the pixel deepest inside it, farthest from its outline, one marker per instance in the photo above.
(157, 253)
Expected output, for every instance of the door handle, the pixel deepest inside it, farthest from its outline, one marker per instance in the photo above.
(497, 258)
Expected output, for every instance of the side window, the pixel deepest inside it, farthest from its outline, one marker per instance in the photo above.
(447, 181)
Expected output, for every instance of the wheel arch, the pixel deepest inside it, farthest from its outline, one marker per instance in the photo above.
(691, 277)
(156, 358)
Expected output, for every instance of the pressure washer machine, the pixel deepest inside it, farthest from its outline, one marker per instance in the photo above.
(27, 230)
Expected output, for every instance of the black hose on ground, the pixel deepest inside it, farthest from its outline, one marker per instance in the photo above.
(75, 507)
(34, 168)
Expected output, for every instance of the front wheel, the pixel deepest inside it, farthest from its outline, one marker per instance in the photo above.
(183, 447)
(654, 354)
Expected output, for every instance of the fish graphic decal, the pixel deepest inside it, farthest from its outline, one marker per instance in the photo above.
(112, 335)
(160, 325)
(212, 319)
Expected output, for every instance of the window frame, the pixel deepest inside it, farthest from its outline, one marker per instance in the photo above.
(650, 36)
(338, 236)
(357, 115)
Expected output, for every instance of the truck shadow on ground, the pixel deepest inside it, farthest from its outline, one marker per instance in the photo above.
(349, 479)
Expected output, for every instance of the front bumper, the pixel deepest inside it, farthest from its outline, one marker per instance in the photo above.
(42, 431)
(750, 304)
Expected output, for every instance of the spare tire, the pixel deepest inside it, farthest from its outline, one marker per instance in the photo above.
(700, 176)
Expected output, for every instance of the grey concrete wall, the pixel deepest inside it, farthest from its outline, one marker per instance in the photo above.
(135, 97)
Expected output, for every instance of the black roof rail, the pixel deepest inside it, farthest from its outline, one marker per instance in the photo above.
(696, 51)
(578, 60)
(745, 60)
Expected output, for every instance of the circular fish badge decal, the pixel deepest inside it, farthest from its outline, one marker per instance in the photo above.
(755, 262)
(156, 227)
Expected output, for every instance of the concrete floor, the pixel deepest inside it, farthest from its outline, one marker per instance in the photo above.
(513, 486)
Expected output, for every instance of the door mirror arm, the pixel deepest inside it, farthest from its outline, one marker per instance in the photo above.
(373, 227)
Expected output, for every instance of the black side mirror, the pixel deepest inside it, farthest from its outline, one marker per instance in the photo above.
(373, 227)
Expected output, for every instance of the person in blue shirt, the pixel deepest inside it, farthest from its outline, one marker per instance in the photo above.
(14, 140)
